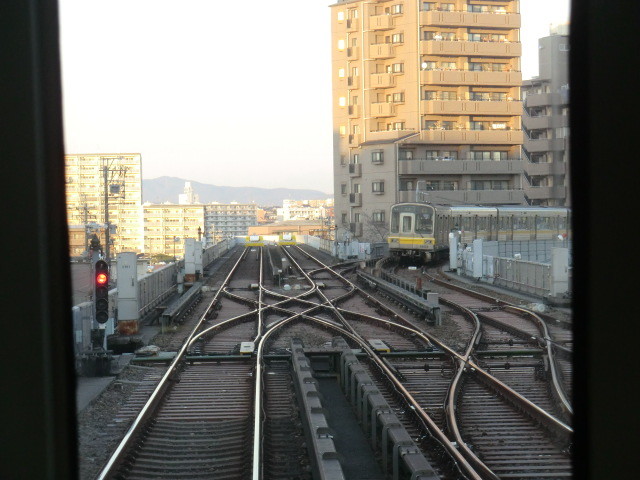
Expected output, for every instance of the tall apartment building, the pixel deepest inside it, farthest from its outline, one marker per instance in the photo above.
(96, 180)
(425, 97)
(545, 123)
(228, 220)
(167, 225)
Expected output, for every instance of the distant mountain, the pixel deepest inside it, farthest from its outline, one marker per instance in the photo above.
(167, 189)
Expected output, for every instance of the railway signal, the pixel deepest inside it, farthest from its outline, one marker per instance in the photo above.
(101, 291)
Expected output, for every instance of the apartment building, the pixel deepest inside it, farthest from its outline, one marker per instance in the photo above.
(167, 225)
(545, 123)
(426, 98)
(94, 181)
(228, 220)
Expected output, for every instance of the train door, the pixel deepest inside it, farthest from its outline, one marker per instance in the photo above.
(492, 227)
(406, 222)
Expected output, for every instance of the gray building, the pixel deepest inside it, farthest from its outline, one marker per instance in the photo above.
(545, 122)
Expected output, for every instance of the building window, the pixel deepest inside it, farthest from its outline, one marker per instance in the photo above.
(449, 185)
(342, 101)
(378, 217)
(354, 41)
(429, 95)
(406, 154)
(343, 218)
(446, 7)
(354, 72)
(356, 158)
(397, 38)
(342, 160)
(448, 96)
(341, 72)
(343, 188)
(448, 65)
(343, 130)
(488, 155)
(397, 67)
(396, 9)
(428, 6)
(377, 187)
(398, 97)
(356, 217)
(377, 156)
(427, 65)
(341, 44)
(353, 13)
(564, 47)
(356, 188)
(340, 16)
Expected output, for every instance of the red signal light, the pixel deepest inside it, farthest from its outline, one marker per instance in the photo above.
(101, 278)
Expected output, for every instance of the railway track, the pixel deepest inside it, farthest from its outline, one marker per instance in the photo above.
(226, 406)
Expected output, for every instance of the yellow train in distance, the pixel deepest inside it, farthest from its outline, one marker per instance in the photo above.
(254, 241)
(287, 239)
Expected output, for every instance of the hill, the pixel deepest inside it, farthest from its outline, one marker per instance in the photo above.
(167, 189)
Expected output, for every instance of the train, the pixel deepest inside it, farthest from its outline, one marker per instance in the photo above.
(422, 230)
(286, 239)
(254, 241)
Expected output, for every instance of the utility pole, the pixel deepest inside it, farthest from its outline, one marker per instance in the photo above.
(105, 170)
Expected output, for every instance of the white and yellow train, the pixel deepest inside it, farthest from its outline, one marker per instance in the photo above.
(254, 241)
(286, 239)
(422, 230)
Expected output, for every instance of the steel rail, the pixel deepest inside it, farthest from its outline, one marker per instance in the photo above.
(463, 465)
(528, 406)
(154, 400)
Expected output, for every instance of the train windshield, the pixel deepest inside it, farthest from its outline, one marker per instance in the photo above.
(412, 219)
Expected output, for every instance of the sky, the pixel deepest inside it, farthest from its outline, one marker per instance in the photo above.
(232, 94)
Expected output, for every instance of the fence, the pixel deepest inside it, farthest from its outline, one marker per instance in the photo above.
(153, 288)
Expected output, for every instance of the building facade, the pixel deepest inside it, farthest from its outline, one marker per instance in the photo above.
(426, 98)
(545, 123)
(96, 180)
(228, 220)
(167, 225)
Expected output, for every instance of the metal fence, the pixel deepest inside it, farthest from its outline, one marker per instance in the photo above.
(153, 288)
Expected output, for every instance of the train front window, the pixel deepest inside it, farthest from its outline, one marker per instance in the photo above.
(424, 220)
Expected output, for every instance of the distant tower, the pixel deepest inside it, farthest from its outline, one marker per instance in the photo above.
(188, 197)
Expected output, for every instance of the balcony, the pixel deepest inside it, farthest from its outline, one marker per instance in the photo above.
(470, 19)
(356, 228)
(490, 137)
(463, 77)
(482, 49)
(542, 99)
(380, 50)
(545, 145)
(355, 199)
(354, 140)
(380, 22)
(355, 170)
(353, 53)
(382, 80)
(496, 197)
(353, 25)
(460, 167)
(537, 169)
(541, 193)
(383, 109)
(389, 134)
(469, 107)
